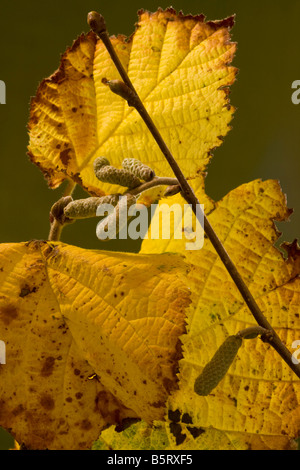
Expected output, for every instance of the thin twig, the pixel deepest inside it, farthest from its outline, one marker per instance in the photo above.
(97, 24)
(55, 231)
(156, 181)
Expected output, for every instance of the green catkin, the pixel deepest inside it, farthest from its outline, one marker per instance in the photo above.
(85, 208)
(216, 369)
(138, 168)
(112, 175)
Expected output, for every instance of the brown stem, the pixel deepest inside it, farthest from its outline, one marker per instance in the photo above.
(97, 24)
(55, 231)
(156, 181)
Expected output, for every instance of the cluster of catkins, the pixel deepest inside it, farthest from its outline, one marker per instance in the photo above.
(130, 176)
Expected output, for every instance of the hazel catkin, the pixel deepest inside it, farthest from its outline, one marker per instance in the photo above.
(217, 367)
(138, 168)
(85, 208)
(121, 177)
(99, 163)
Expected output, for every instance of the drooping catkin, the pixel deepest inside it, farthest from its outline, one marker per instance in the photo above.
(216, 369)
(57, 211)
(112, 175)
(85, 208)
(100, 162)
(138, 168)
(111, 225)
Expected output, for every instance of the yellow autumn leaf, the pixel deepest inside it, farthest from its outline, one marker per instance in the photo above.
(68, 313)
(178, 64)
(165, 436)
(256, 405)
(160, 436)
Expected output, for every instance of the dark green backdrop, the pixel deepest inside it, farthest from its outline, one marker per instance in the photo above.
(265, 139)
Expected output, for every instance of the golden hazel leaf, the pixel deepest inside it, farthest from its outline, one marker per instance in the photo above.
(67, 313)
(180, 68)
(164, 436)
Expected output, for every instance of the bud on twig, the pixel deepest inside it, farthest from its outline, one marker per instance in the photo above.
(172, 190)
(96, 22)
(120, 88)
(255, 331)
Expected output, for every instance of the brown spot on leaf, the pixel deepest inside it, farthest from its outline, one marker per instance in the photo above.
(2, 409)
(157, 404)
(186, 418)
(168, 384)
(47, 367)
(108, 406)
(195, 432)
(86, 424)
(26, 290)
(174, 416)
(106, 270)
(64, 156)
(101, 401)
(19, 409)
(175, 429)
(126, 423)
(8, 314)
(47, 402)
(78, 395)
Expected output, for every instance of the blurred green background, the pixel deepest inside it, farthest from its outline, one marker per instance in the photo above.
(264, 142)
